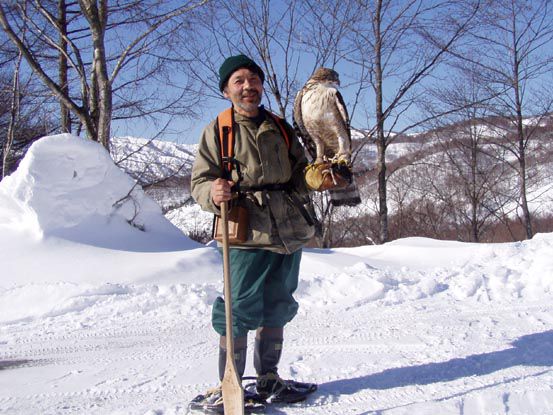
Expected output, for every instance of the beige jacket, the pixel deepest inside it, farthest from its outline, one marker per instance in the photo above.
(276, 222)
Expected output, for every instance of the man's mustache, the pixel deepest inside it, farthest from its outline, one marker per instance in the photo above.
(250, 92)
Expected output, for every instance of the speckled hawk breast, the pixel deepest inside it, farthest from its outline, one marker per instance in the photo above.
(322, 122)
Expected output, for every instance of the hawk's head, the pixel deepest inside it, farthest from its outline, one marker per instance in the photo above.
(326, 75)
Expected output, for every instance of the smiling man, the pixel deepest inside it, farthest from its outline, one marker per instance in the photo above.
(267, 181)
(244, 89)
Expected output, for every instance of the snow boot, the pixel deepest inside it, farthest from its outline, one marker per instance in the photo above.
(269, 385)
(211, 402)
(272, 388)
(240, 352)
(268, 349)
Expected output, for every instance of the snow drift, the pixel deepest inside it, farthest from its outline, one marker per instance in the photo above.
(66, 182)
(69, 214)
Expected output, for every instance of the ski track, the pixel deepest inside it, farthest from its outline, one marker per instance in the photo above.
(415, 357)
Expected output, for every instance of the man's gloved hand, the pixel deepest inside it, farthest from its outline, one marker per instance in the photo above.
(327, 175)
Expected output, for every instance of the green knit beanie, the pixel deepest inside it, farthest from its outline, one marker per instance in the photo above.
(230, 65)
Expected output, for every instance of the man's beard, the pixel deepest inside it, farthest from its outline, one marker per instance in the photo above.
(250, 106)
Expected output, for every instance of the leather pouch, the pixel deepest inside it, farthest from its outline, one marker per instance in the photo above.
(237, 226)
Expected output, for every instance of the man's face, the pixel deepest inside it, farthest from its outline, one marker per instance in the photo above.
(245, 89)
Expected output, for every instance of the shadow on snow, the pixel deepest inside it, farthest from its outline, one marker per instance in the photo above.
(530, 350)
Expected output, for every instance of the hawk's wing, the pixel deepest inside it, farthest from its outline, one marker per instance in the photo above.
(340, 104)
(348, 196)
(301, 131)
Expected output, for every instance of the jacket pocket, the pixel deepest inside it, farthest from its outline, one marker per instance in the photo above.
(300, 224)
(275, 161)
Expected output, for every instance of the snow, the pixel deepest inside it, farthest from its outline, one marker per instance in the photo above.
(105, 309)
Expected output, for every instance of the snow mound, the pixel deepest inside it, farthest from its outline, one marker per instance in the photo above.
(69, 187)
(416, 268)
(509, 271)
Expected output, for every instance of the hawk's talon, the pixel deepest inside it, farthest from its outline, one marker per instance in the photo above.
(341, 159)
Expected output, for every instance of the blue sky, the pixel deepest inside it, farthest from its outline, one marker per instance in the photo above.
(188, 131)
(181, 130)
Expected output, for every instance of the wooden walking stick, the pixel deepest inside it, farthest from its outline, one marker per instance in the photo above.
(233, 393)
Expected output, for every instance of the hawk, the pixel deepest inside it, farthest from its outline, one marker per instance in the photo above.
(321, 120)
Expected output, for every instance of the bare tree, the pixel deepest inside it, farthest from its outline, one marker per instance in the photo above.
(63, 68)
(114, 51)
(14, 118)
(467, 178)
(400, 45)
(14, 115)
(263, 30)
(473, 168)
(515, 62)
(22, 117)
(324, 30)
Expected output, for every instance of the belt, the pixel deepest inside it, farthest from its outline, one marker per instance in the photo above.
(287, 187)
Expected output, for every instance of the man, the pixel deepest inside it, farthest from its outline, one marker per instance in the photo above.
(269, 173)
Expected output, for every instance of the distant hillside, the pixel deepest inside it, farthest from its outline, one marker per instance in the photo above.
(428, 189)
(161, 167)
(461, 182)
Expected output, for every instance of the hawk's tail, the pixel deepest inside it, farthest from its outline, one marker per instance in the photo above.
(347, 196)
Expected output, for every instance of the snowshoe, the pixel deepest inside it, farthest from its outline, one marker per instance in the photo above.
(272, 388)
(212, 402)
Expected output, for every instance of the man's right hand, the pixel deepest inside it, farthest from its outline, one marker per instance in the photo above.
(221, 191)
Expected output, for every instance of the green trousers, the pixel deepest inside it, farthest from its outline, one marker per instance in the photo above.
(262, 284)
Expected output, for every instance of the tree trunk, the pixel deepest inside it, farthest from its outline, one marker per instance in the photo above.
(14, 116)
(527, 218)
(521, 144)
(101, 93)
(65, 116)
(380, 137)
(474, 199)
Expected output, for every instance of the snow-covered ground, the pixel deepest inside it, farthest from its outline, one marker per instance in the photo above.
(105, 309)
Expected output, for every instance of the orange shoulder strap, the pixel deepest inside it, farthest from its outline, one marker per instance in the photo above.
(226, 137)
(225, 121)
(280, 124)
